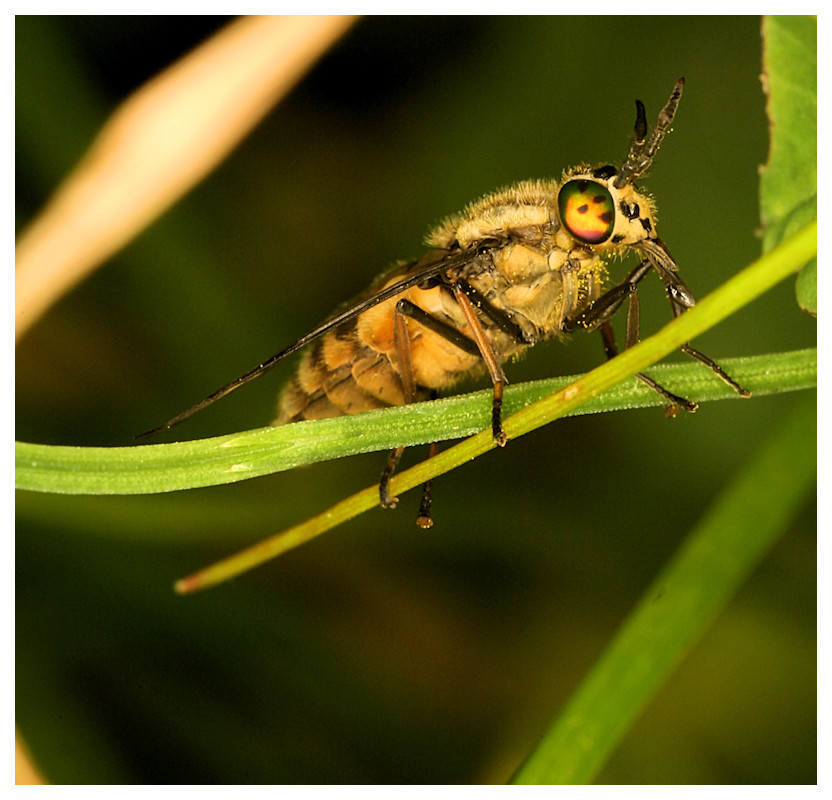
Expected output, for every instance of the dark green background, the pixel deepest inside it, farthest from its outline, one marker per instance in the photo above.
(382, 653)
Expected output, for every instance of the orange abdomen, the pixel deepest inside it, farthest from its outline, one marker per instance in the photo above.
(355, 367)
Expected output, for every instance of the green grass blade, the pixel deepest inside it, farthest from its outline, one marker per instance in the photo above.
(679, 606)
(151, 469)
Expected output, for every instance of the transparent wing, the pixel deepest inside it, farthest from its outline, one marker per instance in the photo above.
(412, 275)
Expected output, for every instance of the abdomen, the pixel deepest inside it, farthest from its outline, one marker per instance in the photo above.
(356, 367)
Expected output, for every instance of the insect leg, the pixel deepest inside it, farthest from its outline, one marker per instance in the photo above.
(386, 500)
(681, 299)
(405, 362)
(502, 320)
(423, 518)
(405, 309)
(498, 377)
(604, 307)
(631, 335)
(611, 350)
(479, 345)
(598, 314)
(709, 362)
(631, 339)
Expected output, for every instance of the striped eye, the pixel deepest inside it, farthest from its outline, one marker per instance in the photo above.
(587, 211)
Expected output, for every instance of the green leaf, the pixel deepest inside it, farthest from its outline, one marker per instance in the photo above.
(788, 184)
(149, 469)
(807, 287)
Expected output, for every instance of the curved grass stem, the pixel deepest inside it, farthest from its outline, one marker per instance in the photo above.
(753, 281)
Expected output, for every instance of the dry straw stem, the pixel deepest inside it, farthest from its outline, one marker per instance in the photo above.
(158, 144)
(25, 772)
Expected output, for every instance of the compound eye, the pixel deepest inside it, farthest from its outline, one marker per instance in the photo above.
(587, 211)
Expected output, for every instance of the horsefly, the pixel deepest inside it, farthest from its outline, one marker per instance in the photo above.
(523, 264)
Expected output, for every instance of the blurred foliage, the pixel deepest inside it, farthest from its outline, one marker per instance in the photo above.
(382, 653)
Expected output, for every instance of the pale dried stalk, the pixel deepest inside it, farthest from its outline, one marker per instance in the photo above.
(158, 144)
(25, 771)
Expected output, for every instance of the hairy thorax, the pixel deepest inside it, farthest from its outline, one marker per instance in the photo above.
(525, 266)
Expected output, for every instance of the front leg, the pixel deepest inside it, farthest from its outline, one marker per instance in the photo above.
(604, 307)
(597, 315)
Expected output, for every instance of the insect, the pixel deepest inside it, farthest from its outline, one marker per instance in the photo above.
(523, 264)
